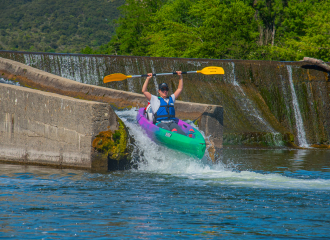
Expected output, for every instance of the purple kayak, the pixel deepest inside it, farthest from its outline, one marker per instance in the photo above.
(192, 143)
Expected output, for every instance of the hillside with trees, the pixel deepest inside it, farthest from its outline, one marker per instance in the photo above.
(223, 29)
(56, 25)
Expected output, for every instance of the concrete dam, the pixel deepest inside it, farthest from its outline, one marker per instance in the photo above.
(265, 103)
(69, 124)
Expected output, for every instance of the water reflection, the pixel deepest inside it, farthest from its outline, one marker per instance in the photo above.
(298, 159)
(278, 160)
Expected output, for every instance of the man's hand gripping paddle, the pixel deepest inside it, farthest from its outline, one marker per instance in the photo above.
(120, 77)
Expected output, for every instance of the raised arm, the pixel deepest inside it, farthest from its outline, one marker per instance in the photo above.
(180, 87)
(145, 85)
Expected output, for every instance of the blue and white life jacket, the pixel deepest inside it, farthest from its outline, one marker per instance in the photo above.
(165, 111)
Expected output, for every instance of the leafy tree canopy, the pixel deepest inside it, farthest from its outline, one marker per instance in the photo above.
(206, 29)
(239, 29)
(228, 29)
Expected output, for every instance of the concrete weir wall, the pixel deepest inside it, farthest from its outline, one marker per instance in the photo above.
(209, 117)
(43, 128)
(266, 103)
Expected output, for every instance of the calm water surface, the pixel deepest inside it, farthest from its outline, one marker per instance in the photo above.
(248, 194)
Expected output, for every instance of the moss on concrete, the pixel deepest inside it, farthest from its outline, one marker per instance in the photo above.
(113, 144)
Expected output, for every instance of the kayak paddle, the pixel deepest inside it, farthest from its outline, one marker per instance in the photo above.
(120, 77)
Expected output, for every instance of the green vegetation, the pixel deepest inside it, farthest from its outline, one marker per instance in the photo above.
(56, 26)
(225, 29)
(113, 144)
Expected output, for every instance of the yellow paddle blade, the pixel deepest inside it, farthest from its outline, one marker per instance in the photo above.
(115, 77)
(212, 70)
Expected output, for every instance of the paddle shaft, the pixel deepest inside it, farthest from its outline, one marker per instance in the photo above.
(120, 77)
(161, 74)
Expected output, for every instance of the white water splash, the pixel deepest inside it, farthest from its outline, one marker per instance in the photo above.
(301, 135)
(161, 160)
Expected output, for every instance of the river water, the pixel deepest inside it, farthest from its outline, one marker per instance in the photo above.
(248, 193)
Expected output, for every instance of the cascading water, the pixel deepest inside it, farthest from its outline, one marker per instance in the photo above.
(79, 68)
(2, 80)
(129, 71)
(251, 110)
(301, 135)
(154, 78)
(247, 104)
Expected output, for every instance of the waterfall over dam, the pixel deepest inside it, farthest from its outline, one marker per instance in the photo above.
(266, 103)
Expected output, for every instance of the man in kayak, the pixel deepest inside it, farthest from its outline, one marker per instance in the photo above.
(163, 106)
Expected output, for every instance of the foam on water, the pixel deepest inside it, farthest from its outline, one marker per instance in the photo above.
(154, 158)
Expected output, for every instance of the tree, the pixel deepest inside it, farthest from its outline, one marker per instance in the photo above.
(239, 29)
(207, 29)
(308, 32)
(133, 26)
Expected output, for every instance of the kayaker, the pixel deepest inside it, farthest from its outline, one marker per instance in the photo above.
(163, 106)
